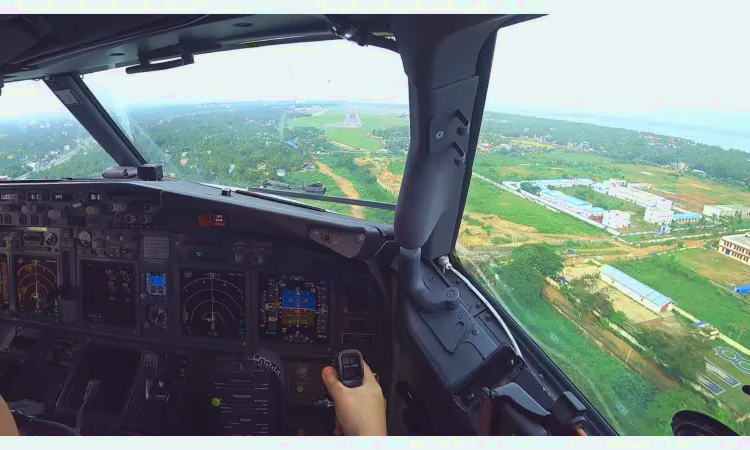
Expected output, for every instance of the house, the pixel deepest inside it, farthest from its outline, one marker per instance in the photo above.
(616, 219)
(726, 210)
(644, 186)
(281, 172)
(660, 216)
(308, 166)
(736, 246)
(635, 290)
(260, 166)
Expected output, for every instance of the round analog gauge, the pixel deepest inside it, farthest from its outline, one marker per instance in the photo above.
(84, 239)
(157, 317)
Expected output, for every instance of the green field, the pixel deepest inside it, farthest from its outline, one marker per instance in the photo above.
(693, 293)
(484, 198)
(714, 265)
(372, 118)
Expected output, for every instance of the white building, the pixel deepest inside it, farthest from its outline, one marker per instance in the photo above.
(600, 187)
(736, 246)
(660, 216)
(726, 210)
(616, 219)
(615, 183)
(645, 199)
(644, 186)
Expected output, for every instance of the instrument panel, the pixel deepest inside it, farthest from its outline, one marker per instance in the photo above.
(98, 275)
(118, 258)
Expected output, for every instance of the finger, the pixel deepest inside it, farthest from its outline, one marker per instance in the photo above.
(338, 431)
(331, 382)
(369, 376)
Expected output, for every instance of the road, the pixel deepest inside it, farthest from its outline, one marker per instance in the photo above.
(64, 158)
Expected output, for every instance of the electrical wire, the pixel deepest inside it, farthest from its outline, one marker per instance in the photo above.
(446, 265)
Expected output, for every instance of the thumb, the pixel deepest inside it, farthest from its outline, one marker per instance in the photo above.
(331, 381)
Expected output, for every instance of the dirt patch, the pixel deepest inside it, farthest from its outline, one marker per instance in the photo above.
(379, 169)
(635, 312)
(669, 324)
(346, 187)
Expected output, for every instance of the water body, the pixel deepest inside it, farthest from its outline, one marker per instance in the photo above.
(728, 129)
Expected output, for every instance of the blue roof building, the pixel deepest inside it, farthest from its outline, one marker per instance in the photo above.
(685, 216)
(569, 199)
(641, 293)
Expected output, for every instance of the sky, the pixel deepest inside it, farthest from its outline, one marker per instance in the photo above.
(633, 68)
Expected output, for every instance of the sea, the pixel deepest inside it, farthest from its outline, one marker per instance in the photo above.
(727, 129)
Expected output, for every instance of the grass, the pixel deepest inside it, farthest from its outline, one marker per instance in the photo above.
(692, 292)
(610, 386)
(332, 189)
(714, 265)
(359, 138)
(365, 184)
(485, 198)
(733, 396)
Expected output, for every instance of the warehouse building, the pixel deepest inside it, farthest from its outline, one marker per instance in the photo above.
(637, 291)
(660, 216)
(685, 217)
(726, 210)
(616, 219)
(736, 246)
(645, 199)
(565, 201)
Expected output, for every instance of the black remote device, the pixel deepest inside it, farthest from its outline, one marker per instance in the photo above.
(350, 367)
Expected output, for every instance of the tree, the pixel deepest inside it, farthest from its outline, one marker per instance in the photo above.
(541, 257)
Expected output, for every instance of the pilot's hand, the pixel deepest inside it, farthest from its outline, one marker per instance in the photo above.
(7, 423)
(360, 411)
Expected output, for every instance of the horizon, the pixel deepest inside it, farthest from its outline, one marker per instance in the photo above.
(651, 126)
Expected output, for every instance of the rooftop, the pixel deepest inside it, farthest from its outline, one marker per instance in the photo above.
(729, 208)
(686, 215)
(568, 198)
(743, 240)
(649, 294)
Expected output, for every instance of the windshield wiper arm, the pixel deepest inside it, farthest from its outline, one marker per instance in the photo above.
(273, 198)
(310, 196)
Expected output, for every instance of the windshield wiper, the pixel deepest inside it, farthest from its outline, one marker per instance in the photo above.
(316, 191)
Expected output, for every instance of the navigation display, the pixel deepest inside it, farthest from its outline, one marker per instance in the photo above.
(293, 308)
(108, 293)
(36, 280)
(213, 303)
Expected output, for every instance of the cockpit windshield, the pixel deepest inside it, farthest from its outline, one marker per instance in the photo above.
(322, 117)
(39, 138)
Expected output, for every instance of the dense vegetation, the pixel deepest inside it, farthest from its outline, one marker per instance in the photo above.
(623, 145)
